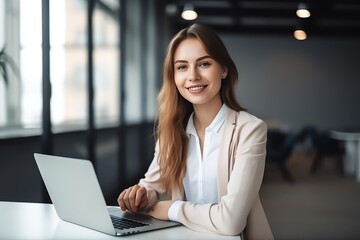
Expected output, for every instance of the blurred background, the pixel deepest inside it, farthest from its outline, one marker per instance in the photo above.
(80, 78)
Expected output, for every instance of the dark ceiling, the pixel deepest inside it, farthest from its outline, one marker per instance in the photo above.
(335, 18)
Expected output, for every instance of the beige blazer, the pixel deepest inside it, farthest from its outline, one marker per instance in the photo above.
(240, 172)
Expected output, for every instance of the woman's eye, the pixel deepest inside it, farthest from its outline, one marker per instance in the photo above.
(204, 64)
(181, 67)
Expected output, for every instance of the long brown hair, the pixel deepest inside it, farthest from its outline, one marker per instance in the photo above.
(174, 111)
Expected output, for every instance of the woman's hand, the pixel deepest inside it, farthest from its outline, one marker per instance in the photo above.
(133, 198)
(160, 210)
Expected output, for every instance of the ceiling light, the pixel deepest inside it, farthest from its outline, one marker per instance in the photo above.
(302, 11)
(189, 12)
(300, 34)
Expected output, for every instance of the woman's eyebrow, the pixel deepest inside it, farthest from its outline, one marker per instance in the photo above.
(202, 58)
(180, 61)
(197, 60)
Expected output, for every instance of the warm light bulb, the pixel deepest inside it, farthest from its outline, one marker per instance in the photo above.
(303, 13)
(189, 13)
(300, 34)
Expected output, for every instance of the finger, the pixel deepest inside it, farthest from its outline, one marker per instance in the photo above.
(141, 197)
(127, 200)
(144, 202)
(121, 200)
(131, 199)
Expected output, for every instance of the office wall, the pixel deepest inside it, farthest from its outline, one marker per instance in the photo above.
(18, 173)
(144, 50)
(296, 83)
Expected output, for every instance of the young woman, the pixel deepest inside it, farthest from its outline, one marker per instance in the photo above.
(210, 153)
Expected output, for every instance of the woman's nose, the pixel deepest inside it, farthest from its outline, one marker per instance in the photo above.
(194, 74)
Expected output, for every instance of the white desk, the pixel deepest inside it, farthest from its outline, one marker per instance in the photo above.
(352, 151)
(40, 221)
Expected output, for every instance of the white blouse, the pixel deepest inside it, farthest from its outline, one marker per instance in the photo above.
(200, 181)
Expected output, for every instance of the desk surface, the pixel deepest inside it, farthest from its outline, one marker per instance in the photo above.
(40, 221)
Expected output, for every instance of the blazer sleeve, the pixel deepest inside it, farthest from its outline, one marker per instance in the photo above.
(229, 216)
(154, 186)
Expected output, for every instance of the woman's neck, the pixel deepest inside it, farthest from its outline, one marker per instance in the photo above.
(205, 114)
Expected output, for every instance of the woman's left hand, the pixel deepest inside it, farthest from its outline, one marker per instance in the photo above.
(160, 210)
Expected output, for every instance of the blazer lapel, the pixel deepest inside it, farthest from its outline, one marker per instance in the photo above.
(223, 160)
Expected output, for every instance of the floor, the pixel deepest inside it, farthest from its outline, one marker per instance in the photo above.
(323, 205)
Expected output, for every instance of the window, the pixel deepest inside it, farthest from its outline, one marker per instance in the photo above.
(30, 92)
(68, 41)
(21, 33)
(68, 62)
(106, 61)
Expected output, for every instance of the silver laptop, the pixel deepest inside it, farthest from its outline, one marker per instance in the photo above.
(77, 197)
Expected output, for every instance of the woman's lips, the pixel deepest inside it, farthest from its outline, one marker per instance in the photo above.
(196, 89)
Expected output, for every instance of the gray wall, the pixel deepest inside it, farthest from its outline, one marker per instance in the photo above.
(144, 47)
(296, 83)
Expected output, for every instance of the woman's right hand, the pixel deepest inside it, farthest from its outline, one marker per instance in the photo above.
(133, 198)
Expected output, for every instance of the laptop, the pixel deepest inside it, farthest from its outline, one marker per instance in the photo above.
(77, 197)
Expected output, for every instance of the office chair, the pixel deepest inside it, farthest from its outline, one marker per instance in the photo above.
(279, 148)
(325, 146)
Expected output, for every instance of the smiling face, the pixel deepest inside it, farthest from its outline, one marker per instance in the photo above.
(197, 75)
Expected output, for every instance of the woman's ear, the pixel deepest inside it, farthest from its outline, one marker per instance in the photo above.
(224, 72)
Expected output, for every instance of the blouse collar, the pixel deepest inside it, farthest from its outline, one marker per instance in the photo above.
(214, 126)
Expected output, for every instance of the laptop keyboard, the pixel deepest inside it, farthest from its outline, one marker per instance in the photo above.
(123, 223)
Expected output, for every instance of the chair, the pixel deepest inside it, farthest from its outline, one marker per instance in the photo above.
(325, 146)
(279, 148)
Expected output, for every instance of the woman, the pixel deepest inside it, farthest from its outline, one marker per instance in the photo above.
(210, 153)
